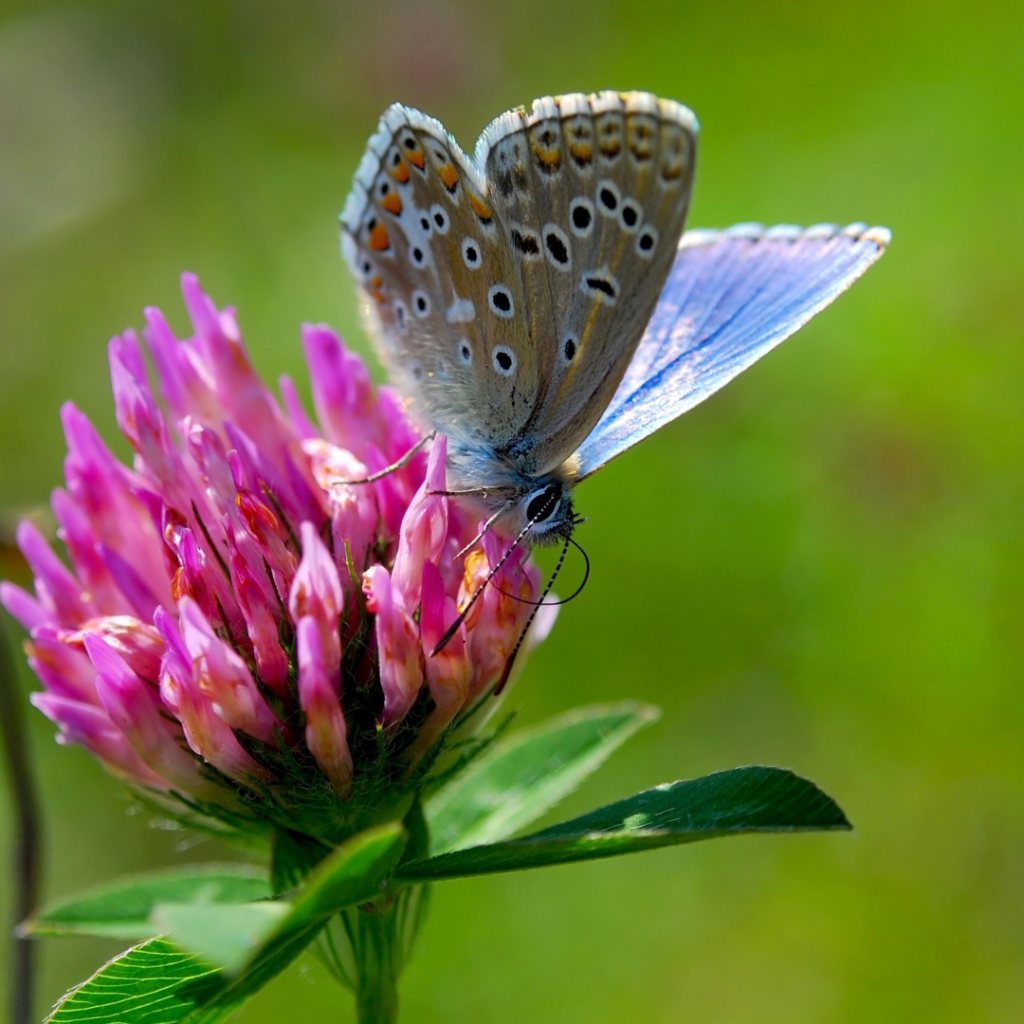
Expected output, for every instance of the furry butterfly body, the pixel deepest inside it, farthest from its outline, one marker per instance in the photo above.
(539, 304)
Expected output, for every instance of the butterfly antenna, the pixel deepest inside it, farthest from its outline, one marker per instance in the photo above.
(563, 600)
(400, 464)
(454, 627)
(507, 671)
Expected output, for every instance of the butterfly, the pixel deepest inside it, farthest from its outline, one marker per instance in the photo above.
(539, 303)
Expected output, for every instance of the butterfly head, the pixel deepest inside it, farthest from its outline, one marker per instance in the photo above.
(546, 513)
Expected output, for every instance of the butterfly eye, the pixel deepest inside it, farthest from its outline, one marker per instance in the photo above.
(581, 217)
(630, 215)
(440, 219)
(420, 303)
(647, 241)
(465, 353)
(500, 300)
(471, 253)
(542, 505)
(504, 360)
(609, 197)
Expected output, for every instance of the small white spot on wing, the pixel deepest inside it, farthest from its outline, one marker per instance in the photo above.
(461, 311)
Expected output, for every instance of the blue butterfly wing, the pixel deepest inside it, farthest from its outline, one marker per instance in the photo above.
(731, 297)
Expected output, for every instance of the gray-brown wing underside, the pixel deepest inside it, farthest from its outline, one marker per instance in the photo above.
(440, 288)
(593, 191)
(507, 294)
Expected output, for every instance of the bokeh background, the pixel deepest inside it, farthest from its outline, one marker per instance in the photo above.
(822, 567)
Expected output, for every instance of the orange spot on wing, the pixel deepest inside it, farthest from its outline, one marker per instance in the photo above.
(415, 156)
(379, 237)
(392, 203)
(581, 152)
(550, 158)
(400, 172)
(448, 176)
(375, 288)
(480, 209)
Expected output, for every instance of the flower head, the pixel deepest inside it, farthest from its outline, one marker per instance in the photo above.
(240, 616)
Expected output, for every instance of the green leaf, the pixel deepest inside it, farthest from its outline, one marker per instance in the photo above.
(159, 983)
(227, 935)
(154, 983)
(121, 909)
(528, 773)
(726, 803)
(353, 874)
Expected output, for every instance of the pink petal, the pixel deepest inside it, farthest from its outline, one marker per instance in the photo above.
(319, 695)
(207, 734)
(23, 607)
(316, 592)
(57, 589)
(398, 646)
(91, 727)
(224, 677)
(424, 528)
(134, 708)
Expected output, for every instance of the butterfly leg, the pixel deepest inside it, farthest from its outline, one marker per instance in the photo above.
(400, 464)
(483, 529)
(470, 492)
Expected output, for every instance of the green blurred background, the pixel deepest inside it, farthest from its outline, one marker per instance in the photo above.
(822, 567)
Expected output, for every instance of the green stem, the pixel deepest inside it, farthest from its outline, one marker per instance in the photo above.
(379, 965)
(366, 948)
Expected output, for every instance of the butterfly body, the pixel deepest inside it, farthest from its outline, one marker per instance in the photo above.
(535, 304)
